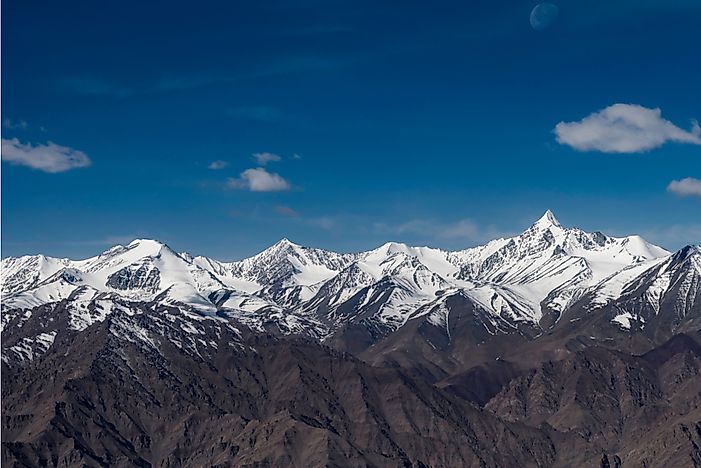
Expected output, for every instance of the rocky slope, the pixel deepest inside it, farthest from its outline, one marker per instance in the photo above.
(144, 389)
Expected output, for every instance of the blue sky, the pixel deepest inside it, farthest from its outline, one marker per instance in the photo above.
(428, 123)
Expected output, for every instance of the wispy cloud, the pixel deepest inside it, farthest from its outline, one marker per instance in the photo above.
(465, 230)
(259, 180)
(20, 124)
(14, 124)
(673, 237)
(48, 157)
(688, 187)
(92, 86)
(264, 158)
(323, 222)
(286, 211)
(217, 165)
(624, 128)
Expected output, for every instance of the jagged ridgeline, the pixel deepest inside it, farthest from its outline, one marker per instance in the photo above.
(557, 346)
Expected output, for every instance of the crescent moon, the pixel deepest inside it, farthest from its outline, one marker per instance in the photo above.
(543, 15)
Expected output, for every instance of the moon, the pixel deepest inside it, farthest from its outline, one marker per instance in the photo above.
(543, 15)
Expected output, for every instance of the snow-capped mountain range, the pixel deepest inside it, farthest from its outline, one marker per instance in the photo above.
(528, 280)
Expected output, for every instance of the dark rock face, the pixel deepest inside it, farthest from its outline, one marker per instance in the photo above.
(638, 410)
(107, 398)
(155, 387)
(144, 277)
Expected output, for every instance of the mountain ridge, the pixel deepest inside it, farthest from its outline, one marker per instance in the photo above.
(525, 283)
(555, 347)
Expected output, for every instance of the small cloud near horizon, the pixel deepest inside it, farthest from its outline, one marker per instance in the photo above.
(15, 124)
(286, 211)
(259, 180)
(49, 157)
(688, 187)
(432, 230)
(264, 158)
(673, 237)
(92, 86)
(217, 165)
(624, 128)
(324, 222)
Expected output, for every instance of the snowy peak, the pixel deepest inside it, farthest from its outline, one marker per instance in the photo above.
(690, 253)
(147, 244)
(283, 245)
(392, 248)
(548, 236)
(658, 295)
(639, 248)
(22, 273)
(143, 270)
(285, 242)
(136, 251)
(547, 221)
(286, 263)
(545, 233)
(548, 266)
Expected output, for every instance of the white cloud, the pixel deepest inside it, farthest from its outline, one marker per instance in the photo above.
(688, 187)
(286, 211)
(624, 128)
(48, 158)
(265, 158)
(217, 165)
(461, 230)
(324, 222)
(14, 125)
(259, 180)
